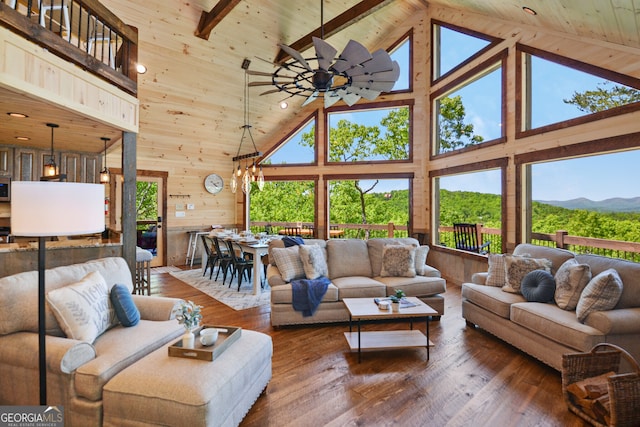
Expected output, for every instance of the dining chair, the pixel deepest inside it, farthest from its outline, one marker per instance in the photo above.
(224, 260)
(240, 265)
(212, 256)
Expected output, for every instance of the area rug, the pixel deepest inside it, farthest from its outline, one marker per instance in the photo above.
(238, 300)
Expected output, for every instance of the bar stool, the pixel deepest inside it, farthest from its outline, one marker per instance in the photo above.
(143, 271)
(65, 22)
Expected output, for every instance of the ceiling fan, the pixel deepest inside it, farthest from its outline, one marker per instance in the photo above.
(354, 74)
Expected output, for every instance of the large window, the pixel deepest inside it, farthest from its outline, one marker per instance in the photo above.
(369, 135)
(283, 202)
(299, 148)
(471, 197)
(587, 197)
(453, 47)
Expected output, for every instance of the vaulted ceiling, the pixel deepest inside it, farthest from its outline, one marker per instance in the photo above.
(268, 22)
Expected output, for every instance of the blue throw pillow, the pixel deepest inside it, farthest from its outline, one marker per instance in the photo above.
(538, 286)
(292, 241)
(126, 310)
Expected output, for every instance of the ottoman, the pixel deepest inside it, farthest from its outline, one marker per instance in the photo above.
(174, 391)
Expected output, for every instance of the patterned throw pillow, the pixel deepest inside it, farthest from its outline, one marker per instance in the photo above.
(289, 263)
(398, 261)
(516, 267)
(421, 259)
(82, 309)
(313, 261)
(601, 293)
(571, 278)
(495, 275)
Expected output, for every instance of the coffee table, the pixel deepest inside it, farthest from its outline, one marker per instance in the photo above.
(366, 309)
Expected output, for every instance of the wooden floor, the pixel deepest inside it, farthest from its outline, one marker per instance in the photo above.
(471, 379)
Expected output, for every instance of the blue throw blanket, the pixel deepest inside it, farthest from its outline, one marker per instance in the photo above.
(307, 294)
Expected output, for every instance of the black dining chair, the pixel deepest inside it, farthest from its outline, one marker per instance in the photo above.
(224, 260)
(212, 256)
(240, 265)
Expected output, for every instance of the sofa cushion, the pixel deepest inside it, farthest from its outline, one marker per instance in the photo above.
(601, 293)
(628, 271)
(418, 286)
(421, 261)
(516, 267)
(348, 257)
(376, 246)
(24, 287)
(83, 309)
(398, 261)
(289, 263)
(359, 287)
(538, 286)
(556, 324)
(571, 278)
(122, 302)
(118, 348)
(278, 243)
(283, 294)
(313, 261)
(496, 274)
(491, 298)
(555, 255)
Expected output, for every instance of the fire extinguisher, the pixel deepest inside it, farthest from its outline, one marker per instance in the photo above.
(106, 206)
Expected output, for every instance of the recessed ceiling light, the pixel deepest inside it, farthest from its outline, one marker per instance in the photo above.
(17, 115)
(284, 105)
(141, 69)
(529, 10)
(23, 138)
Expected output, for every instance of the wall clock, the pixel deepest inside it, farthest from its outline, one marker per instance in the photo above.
(213, 183)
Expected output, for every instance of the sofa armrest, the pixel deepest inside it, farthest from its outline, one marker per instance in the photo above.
(619, 321)
(274, 278)
(479, 278)
(156, 308)
(64, 355)
(429, 271)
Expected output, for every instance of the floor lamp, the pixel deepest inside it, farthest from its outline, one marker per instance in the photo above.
(43, 209)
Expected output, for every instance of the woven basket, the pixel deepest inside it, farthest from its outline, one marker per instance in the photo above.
(624, 388)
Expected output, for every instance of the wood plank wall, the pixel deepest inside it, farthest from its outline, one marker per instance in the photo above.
(190, 117)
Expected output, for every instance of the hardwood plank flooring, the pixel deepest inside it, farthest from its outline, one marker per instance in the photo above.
(471, 379)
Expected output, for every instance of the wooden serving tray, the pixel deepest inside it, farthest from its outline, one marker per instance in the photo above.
(209, 353)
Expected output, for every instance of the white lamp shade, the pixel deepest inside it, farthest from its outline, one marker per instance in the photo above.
(45, 208)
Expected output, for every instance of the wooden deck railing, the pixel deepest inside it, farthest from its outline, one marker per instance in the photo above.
(351, 231)
(81, 31)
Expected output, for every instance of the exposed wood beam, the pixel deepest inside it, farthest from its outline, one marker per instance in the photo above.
(337, 24)
(208, 20)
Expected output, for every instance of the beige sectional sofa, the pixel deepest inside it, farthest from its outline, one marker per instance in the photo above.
(355, 268)
(77, 370)
(546, 331)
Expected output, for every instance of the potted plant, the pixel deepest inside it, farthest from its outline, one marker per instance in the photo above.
(395, 299)
(189, 316)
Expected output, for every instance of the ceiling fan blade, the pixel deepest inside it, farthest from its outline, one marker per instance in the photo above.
(270, 91)
(385, 76)
(365, 93)
(381, 86)
(311, 98)
(325, 53)
(353, 55)
(259, 73)
(380, 62)
(330, 98)
(348, 97)
(295, 55)
(251, 84)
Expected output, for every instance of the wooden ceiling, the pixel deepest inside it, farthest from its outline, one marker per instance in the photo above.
(269, 22)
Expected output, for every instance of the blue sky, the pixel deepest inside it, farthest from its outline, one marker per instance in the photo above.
(596, 178)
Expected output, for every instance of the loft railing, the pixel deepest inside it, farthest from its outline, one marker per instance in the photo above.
(80, 31)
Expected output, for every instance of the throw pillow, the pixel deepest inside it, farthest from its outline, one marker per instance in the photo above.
(122, 301)
(601, 293)
(82, 309)
(398, 261)
(538, 286)
(289, 263)
(571, 279)
(495, 274)
(516, 267)
(313, 261)
(421, 258)
(292, 241)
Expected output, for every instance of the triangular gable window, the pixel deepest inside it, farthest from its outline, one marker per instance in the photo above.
(402, 54)
(297, 148)
(453, 47)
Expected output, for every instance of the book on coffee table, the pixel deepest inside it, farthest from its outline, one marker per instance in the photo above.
(404, 303)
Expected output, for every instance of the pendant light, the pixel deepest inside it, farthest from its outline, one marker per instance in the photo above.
(104, 173)
(50, 169)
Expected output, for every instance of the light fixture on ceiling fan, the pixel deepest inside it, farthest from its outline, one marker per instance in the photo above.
(355, 74)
